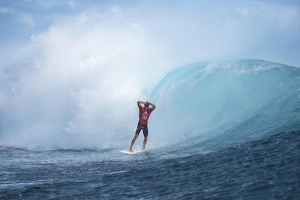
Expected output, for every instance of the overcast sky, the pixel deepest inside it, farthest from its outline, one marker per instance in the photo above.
(187, 31)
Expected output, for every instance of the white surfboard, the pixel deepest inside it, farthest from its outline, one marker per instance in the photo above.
(128, 152)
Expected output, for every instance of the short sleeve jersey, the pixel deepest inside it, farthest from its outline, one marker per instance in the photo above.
(144, 115)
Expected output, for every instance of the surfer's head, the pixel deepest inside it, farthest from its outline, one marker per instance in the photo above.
(147, 104)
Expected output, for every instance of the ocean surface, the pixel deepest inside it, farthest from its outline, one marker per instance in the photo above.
(220, 131)
(261, 169)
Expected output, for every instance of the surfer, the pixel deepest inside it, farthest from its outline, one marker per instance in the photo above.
(144, 114)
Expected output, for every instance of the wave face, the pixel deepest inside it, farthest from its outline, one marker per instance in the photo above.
(228, 102)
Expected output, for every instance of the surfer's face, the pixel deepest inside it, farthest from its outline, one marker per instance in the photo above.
(146, 105)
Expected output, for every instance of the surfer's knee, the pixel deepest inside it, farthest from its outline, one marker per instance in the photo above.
(136, 136)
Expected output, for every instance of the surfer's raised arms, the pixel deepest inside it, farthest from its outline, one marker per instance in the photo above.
(152, 106)
(139, 103)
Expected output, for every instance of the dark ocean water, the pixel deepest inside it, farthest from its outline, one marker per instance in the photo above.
(267, 168)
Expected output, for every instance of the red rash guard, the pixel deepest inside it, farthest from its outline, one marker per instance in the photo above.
(144, 115)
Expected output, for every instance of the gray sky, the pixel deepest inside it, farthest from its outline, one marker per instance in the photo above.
(188, 31)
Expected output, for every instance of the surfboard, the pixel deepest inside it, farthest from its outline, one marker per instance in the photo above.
(128, 152)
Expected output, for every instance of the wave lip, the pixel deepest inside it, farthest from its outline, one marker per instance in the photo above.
(230, 101)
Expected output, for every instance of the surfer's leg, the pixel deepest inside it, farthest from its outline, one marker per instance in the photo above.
(138, 130)
(133, 141)
(145, 132)
(144, 143)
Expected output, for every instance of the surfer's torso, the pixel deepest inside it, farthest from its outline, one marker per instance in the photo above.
(144, 114)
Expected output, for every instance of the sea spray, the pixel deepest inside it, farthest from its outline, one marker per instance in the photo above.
(77, 84)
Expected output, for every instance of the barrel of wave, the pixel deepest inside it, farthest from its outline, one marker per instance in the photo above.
(241, 99)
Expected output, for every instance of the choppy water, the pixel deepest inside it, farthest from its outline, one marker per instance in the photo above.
(262, 169)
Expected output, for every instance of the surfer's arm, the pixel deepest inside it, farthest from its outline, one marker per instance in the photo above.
(139, 103)
(153, 106)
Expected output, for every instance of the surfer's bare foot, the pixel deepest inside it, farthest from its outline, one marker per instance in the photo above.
(130, 150)
(143, 148)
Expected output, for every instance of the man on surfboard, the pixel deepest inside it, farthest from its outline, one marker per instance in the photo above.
(144, 114)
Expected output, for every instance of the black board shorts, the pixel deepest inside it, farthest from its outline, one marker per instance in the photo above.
(140, 127)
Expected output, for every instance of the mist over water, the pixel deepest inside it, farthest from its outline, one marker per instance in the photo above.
(75, 85)
(78, 88)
